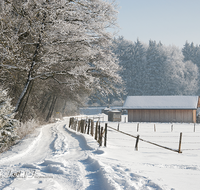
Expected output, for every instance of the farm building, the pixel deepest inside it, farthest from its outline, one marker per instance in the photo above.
(162, 108)
(114, 115)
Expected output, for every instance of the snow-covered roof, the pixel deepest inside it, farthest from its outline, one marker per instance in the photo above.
(115, 111)
(161, 102)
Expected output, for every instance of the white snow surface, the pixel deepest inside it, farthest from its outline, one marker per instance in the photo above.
(57, 157)
(161, 102)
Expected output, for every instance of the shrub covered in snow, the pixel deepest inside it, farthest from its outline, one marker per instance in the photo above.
(27, 128)
(7, 122)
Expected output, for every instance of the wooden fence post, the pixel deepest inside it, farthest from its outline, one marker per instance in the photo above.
(171, 127)
(136, 144)
(96, 131)
(105, 138)
(118, 127)
(85, 126)
(194, 127)
(82, 125)
(137, 127)
(99, 131)
(92, 128)
(75, 125)
(70, 121)
(154, 127)
(88, 127)
(180, 140)
(79, 126)
(101, 135)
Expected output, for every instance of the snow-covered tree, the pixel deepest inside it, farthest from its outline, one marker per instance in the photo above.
(62, 40)
(181, 76)
(155, 69)
(192, 53)
(7, 122)
(132, 57)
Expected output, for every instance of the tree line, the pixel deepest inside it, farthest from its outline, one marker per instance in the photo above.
(156, 69)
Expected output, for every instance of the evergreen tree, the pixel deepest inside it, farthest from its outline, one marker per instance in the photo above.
(192, 53)
(155, 69)
(7, 122)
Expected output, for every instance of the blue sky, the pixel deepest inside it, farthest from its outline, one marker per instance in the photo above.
(173, 22)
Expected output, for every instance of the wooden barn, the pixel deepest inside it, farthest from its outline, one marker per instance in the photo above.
(162, 108)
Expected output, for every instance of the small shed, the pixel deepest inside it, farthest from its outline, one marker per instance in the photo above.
(114, 115)
(161, 108)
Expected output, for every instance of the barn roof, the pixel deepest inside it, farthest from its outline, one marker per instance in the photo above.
(161, 102)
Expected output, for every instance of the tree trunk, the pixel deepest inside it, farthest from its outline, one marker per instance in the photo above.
(22, 112)
(51, 108)
(63, 110)
(29, 77)
(45, 107)
(43, 100)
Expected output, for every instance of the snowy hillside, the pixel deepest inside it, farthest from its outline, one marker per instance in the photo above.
(57, 157)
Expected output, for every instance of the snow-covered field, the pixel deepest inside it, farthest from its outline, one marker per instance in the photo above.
(57, 157)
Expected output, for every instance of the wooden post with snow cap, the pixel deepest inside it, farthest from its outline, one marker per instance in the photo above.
(137, 127)
(82, 125)
(79, 126)
(92, 128)
(180, 140)
(75, 124)
(136, 144)
(69, 122)
(101, 136)
(96, 130)
(88, 131)
(85, 128)
(99, 131)
(105, 138)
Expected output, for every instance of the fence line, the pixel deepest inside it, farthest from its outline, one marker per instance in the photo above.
(87, 126)
(179, 151)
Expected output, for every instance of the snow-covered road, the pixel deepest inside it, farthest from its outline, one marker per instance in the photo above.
(58, 158)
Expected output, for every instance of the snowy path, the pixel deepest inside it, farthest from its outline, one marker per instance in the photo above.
(59, 158)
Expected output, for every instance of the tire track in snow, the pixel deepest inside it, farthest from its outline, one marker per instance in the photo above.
(110, 176)
(64, 159)
(95, 173)
(91, 170)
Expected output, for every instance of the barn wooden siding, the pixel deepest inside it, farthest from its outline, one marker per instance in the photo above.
(185, 116)
(198, 105)
(114, 116)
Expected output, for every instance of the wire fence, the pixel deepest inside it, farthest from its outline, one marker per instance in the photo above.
(173, 141)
